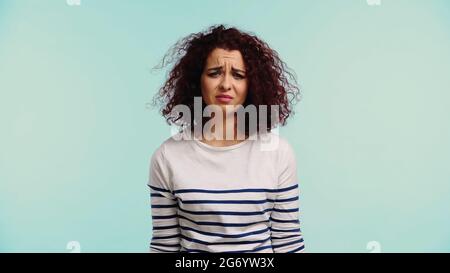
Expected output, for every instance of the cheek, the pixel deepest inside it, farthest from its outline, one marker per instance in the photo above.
(207, 85)
(242, 89)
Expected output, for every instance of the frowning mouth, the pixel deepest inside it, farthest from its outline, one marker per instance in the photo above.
(224, 98)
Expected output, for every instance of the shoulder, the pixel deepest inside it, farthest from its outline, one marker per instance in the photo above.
(273, 142)
(280, 149)
(172, 145)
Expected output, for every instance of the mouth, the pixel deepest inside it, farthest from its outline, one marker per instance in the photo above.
(224, 98)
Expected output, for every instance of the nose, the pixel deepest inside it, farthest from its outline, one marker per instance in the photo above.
(225, 85)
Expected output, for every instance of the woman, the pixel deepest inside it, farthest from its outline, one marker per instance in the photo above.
(217, 188)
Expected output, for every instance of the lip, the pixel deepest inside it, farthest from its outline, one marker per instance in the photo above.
(224, 98)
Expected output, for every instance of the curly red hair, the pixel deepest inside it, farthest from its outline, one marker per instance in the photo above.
(269, 80)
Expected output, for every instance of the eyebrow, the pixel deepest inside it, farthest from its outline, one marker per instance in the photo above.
(221, 67)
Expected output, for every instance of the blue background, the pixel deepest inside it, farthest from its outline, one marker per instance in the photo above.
(371, 133)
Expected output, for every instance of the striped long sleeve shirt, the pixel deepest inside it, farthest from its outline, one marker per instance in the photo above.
(239, 198)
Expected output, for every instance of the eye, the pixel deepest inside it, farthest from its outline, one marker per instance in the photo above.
(214, 74)
(238, 76)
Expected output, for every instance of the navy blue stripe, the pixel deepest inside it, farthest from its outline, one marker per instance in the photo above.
(224, 201)
(164, 227)
(164, 216)
(156, 195)
(285, 230)
(289, 243)
(165, 245)
(226, 235)
(164, 206)
(285, 237)
(224, 243)
(285, 210)
(297, 249)
(166, 237)
(161, 196)
(237, 201)
(159, 189)
(259, 248)
(221, 223)
(285, 200)
(284, 221)
(226, 212)
(236, 191)
(159, 249)
(234, 251)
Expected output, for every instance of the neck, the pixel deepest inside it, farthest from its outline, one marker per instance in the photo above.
(225, 135)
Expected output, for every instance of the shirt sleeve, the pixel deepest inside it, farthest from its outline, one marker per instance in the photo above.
(164, 205)
(285, 225)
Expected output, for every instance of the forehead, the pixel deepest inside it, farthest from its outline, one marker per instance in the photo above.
(220, 56)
